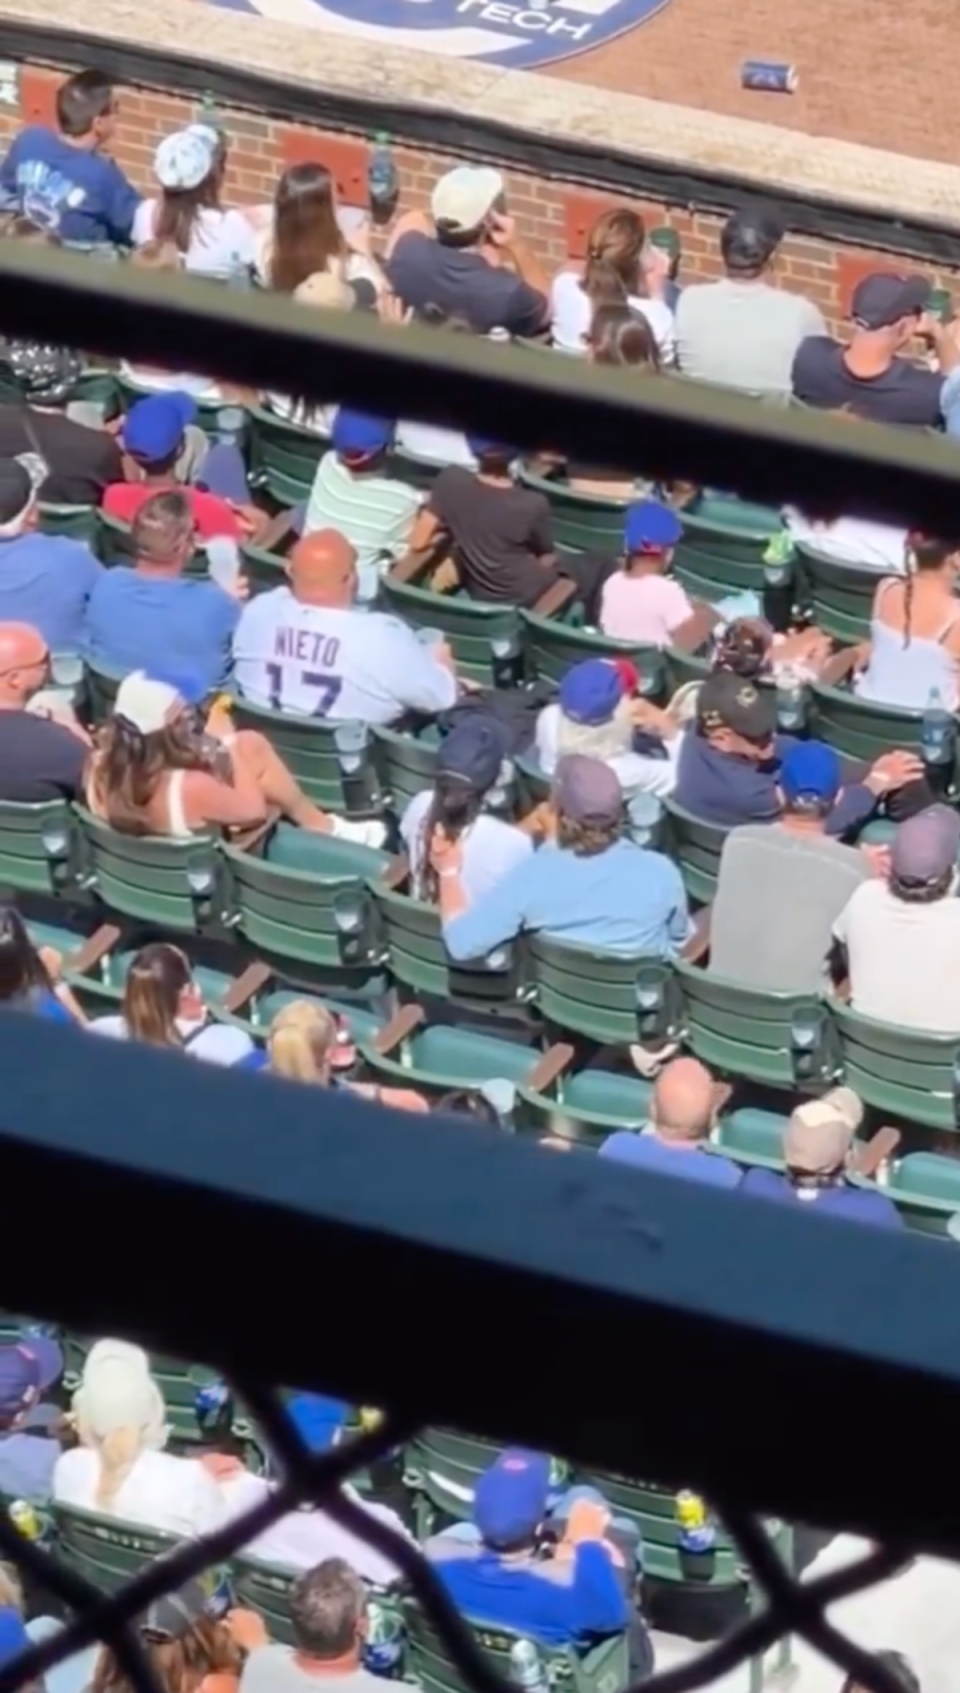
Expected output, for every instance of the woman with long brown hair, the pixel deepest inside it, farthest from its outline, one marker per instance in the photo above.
(164, 1006)
(211, 239)
(305, 237)
(189, 1648)
(620, 269)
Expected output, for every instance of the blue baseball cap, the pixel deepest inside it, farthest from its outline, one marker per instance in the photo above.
(193, 690)
(482, 447)
(27, 1367)
(651, 527)
(317, 1419)
(591, 691)
(357, 434)
(472, 753)
(153, 428)
(14, 1638)
(511, 1497)
(811, 770)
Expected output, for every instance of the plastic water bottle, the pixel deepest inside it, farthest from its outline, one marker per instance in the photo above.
(383, 181)
(223, 561)
(791, 702)
(383, 1644)
(526, 1667)
(936, 731)
(696, 1536)
(213, 1409)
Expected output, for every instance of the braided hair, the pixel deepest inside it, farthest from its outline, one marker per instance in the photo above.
(923, 552)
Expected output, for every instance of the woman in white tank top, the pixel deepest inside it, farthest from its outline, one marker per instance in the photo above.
(914, 651)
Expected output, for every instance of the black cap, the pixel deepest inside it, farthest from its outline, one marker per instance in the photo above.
(16, 490)
(881, 299)
(726, 701)
(750, 238)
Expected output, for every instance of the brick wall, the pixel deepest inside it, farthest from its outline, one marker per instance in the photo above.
(553, 216)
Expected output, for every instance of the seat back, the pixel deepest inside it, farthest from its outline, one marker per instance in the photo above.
(654, 1510)
(420, 962)
(105, 1550)
(861, 729)
(784, 1040)
(441, 1467)
(586, 1107)
(416, 473)
(180, 1382)
(97, 385)
(284, 456)
(37, 847)
(722, 548)
(603, 997)
(605, 1669)
(444, 1056)
(550, 648)
(837, 596)
(902, 1072)
(265, 1588)
(157, 879)
(485, 639)
(751, 1136)
(697, 847)
(583, 522)
(331, 761)
(77, 523)
(926, 1190)
(407, 764)
(325, 917)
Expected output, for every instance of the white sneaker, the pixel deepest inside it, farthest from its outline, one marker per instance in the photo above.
(371, 834)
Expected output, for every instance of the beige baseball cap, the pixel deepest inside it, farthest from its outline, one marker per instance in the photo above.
(819, 1134)
(462, 199)
(324, 289)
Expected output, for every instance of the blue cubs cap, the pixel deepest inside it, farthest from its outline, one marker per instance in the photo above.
(27, 1368)
(591, 692)
(482, 447)
(14, 1638)
(193, 690)
(651, 527)
(811, 770)
(472, 753)
(317, 1419)
(154, 427)
(357, 434)
(511, 1497)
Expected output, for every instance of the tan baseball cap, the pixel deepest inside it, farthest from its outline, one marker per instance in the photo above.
(818, 1136)
(327, 291)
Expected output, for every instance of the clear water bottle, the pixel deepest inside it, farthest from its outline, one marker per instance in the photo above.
(526, 1667)
(383, 181)
(791, 702)
(936, 731)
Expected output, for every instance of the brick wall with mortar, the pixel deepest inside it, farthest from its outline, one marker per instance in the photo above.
(553, 216)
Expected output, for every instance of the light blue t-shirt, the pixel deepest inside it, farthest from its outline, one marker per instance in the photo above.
(46, 581)
(77, 195)
(625, 899)
(134, 620)
(691, 1163)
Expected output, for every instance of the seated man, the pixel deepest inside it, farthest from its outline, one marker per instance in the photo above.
(80, 461)
(28, 1453)
(787, 881)
(328, 1606)
(353, 494)
(674, 1141)
(41, 757)
(309, 650)
(45, 580)
(153, 441)
(503, 1579)
(817, 1144)
(590, 884)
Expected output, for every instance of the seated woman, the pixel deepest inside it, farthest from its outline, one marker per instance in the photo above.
(159, 769)
(308, 234)
(30, 978)
(301, 1046)
(469, 764)
(211, 239)
(596, 715)
(620, 269)
(618, 339)
(120, 1468)
(913, 655)
(163, 1006)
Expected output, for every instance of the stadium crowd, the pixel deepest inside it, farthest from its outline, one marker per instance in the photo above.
(549, 799)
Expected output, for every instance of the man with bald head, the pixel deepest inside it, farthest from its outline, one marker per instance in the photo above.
(674, 1141)
(39, 758)
(307, 648)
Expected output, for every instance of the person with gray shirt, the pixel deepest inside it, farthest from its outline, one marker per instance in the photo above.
(787, 881)
(328, 1613)
(742, 332)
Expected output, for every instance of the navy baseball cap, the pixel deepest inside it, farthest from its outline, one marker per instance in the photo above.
(154, 427)
(482, 447)
(651, 528)
(358, 434)
(882, 299)
(591, 691)
(811, 770)
(27, 1367)
(472, 753)
(510, 1500)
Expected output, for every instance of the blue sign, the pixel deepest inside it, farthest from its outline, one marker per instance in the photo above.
(518, 34)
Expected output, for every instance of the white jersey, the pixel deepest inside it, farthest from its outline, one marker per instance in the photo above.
(347, 665)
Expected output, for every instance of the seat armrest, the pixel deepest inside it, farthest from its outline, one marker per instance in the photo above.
(838, 668)
(277, 531)
(555, 598)
(93, 950)
(247, 985)
(549, 1066)
(400, 1027)
(878, 1150)
(396, 873)
(410, 566)
(698, 945)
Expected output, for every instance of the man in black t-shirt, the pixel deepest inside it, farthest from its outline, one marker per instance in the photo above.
(81, 461)
(473, 267)
(868, 377)
(40, 759)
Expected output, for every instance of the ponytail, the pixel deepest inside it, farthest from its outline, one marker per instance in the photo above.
(453, 808)
(601, 283)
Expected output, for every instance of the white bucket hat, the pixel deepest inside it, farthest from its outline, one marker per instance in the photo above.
(185, 159)
(144, 704)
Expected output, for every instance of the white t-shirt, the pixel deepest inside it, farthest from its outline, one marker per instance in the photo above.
(172, 1495)
(491, 847)
(637, 773)
(571, 314)
(348, 666)
(852, 540)
(222, 243)
(302, 1539)
(215, 1043)
(904, 959)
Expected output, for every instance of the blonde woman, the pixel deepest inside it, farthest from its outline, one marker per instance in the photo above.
(596, 715)
(120, 1468)
(302, 1045)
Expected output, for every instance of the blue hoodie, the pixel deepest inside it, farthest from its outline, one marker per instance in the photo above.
(555, 1604)
(79, 196)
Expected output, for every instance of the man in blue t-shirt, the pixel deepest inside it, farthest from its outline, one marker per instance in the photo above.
(675, 1141)
(64, 183)
(45, 580)
(148, 615)
(817, 1145)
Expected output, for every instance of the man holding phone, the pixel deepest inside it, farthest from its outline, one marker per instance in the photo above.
(469, 263)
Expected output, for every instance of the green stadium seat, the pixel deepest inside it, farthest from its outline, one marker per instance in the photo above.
(903, 1073)
(723, 545)
(99, 691)
(106, 1551)
(836, 596)
(324, 918)
(180, 1382)
(265, 559)
(603, 1669)
(414, 472)
(782, 1040)
(331, 762)
(38, 848)
(76, 523)
(550, 648)
(860, 729)
(697, 847)
(585, 523)
(586, 1107)
(486, 640)
(284, 456)
(420, 963)
(653, 1508)
(410, 1052)
(407, 763)
(251, 1000)
(925, 1188)
(128, 392)
(603, 997)
(751, 1136)
(441, 1468)
(265, 1589)
(153, 879)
